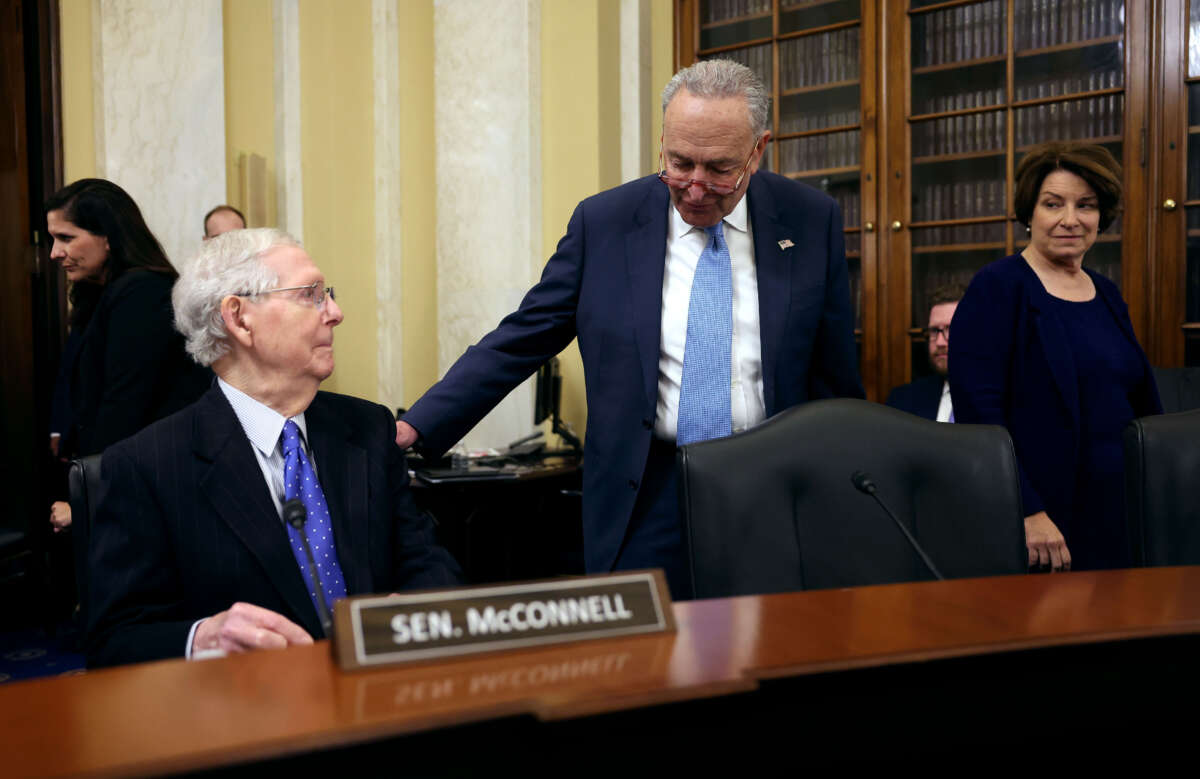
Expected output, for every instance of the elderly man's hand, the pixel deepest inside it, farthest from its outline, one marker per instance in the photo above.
(1045, 542)
(245, 627)
(406, 434)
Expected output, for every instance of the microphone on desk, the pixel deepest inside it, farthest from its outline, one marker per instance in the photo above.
(863, 483)
(295, 515)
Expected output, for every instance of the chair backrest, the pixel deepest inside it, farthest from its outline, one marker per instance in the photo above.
(1162, 465)
(1179, 388)
(773, 509)
(85, 488)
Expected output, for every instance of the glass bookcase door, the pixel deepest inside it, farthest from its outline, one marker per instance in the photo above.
(1191, 324)
(809, 55)
(1069, 79)
(958, 151)
(978, 102)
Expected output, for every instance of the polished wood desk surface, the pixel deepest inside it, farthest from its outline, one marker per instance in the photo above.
(175, 715)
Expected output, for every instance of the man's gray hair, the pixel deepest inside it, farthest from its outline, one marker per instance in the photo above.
(723, 78)
(229, 264)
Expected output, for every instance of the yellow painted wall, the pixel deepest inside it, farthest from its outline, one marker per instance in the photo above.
(78, 111)
(249, 45)
(418, 182)
(580, 153)
(581, 125)
(337, 147)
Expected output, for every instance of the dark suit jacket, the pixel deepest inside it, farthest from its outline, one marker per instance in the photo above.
(132, 368)
(187, 526)
(921, 397)
(604, 285)
(1011, 365)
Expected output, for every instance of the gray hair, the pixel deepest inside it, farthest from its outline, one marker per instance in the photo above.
(229, 264)
(723, 78)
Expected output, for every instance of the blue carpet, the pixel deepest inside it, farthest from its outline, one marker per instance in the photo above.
(31, 653)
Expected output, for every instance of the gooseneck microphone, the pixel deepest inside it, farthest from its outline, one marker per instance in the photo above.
(295, 515)
(863, 482)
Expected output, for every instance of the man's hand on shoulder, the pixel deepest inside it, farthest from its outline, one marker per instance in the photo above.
(245, 627)
(406, 434)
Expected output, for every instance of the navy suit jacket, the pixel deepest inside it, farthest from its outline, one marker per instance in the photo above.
(186, 526)
(1011, 365)
(921, 397)
(604, 285)
(131, 368)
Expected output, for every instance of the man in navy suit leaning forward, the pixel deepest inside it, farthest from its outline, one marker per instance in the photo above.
(705, 299)
(189, 549)
(929, 396)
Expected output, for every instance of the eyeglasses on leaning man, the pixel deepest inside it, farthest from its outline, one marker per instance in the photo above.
(716, 188)
(313, 294)
(937, 332)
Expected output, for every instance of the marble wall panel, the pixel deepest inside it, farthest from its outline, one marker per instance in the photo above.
(638, 101)
(160, 111)
(388, 213)
(487, 114)
(289, 182)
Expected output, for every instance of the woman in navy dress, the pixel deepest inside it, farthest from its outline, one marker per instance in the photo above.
(1045, 347)
(129, 367)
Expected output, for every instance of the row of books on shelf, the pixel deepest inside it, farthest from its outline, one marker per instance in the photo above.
(802, 121)
(959, 134)
(1095, 117)
(1042, 23)
(963, 97)
(757, 58)
(1193, 285)
(848, 202)
(1071, 82)
(721, 10)
(987, 233)
(820, 152)
(964, 199)
(965, 32)
(819, 59)
(1193, 187)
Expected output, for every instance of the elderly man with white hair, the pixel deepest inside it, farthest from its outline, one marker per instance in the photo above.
(190, 548)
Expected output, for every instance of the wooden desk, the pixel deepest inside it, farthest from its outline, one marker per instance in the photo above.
(174, 715)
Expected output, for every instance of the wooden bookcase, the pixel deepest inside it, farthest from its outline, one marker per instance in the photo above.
(939, 101)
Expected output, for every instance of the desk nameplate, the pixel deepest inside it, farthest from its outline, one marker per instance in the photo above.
(374, 630)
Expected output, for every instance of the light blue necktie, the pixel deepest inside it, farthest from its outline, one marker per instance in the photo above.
(704, 411)
(300, 481)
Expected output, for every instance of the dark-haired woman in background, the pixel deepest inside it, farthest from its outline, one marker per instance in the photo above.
(1045, 347)
(130, 368)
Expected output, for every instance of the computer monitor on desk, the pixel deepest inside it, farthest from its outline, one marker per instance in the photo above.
(547, 403)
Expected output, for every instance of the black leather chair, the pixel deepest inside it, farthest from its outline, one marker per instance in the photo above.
(1162, 470)
(773, 509)
(1179, 388)
(85, 488)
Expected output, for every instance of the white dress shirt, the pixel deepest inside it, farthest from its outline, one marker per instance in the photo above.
(685, 243)
(263, 425)
(945, 409)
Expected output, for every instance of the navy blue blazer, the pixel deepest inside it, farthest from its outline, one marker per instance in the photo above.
(131, 368)
(187, 527)
(604, 285)
(921, 397)
(1011, 365)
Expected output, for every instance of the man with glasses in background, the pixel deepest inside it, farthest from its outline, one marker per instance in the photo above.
(236, 523)
(929, 396)
(705, 299)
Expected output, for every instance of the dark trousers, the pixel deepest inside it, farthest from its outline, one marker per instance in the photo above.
(654, 538)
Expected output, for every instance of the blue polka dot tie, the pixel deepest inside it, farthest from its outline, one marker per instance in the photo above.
(704, 405)
(299, 481)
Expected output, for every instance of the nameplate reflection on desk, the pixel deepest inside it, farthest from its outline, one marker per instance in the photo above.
(515, 682)
(373, 631)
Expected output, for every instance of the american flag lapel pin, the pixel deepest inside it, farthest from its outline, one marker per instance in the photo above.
(786, 243)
